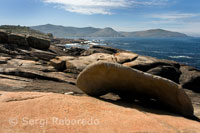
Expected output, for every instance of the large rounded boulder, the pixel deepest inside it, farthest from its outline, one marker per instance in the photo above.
(102, 77)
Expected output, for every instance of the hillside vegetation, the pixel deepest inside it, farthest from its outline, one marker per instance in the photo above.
(23, 30)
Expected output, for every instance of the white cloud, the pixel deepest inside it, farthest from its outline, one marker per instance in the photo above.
(100, 6)
(150, 2)
(174, 16)
(174, 19)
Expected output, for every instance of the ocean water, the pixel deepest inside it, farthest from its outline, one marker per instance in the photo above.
(185, 51)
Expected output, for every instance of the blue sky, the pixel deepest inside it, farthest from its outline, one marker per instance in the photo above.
(122, 15)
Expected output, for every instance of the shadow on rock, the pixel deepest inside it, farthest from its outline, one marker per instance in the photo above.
(145, 106)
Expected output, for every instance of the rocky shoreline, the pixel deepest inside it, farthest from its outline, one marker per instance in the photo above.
(36, 75)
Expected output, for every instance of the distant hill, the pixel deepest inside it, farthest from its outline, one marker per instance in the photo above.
(154, 33)
(106, 32)
(63, 32)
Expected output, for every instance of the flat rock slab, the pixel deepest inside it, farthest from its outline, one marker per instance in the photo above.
(123, 57)
(145, 63)
(82, 62)
(29, 64)
(17, 39)
(35, 74)
(102, 77)
(50, 112)
(3, 60)
(20, 84)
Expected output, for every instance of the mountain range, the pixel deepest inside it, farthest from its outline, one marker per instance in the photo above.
(64, 32)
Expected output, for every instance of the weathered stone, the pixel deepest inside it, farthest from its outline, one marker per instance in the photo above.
(58, 50)
(25, 69)
(46, 112)
(80, 63)
(123, 57)
(145, 63)
(36, 74)
(190, 78)
(100, 49)
(101, 78)
(142, 63)
(105, 48)
(13, 83)
(4, 49)
(38, 43)
(77, 64)
(22, 63)
(3, 60)
(29, 64)
(195, 98)
(75, 51)
(18, 39)
(3, 37)
(43, 55)
(19, 84)
(168, 72)
(60, 62)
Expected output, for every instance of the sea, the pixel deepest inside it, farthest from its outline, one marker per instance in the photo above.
(182, 50)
